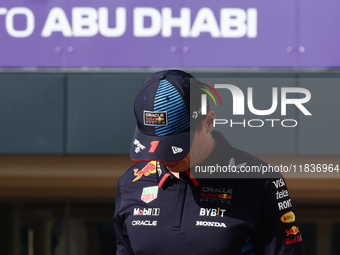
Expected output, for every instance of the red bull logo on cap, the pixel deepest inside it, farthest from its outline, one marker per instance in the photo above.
(150, 168)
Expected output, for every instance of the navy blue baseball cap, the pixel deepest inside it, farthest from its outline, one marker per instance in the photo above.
(162, 110)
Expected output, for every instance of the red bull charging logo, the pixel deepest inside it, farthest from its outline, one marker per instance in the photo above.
(293, 231)
(150, 168)
(294, 235)
(224, 196)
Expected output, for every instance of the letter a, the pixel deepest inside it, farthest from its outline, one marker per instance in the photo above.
(56, 22)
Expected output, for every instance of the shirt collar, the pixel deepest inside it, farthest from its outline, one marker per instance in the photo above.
(163, 174)
(222, 145)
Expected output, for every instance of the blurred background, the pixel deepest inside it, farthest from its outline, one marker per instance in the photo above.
(69, 74)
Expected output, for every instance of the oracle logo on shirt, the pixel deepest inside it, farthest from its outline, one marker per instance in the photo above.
(218, 190)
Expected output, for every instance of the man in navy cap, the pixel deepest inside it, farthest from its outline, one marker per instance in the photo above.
(162, 209)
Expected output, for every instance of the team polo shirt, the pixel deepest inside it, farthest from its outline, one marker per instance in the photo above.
(159, 214)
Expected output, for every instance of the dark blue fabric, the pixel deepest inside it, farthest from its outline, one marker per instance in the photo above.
(215, 217)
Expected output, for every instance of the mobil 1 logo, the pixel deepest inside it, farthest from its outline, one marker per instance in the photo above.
(146, 211)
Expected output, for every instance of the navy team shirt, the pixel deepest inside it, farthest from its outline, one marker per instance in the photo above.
(159, 214)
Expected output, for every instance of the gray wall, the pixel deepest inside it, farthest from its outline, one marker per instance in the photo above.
(92, 113)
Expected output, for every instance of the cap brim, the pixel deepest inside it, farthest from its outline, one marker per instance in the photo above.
(165, 148)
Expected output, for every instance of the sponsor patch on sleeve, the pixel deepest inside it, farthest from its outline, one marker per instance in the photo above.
(288, 217)
(149, 194)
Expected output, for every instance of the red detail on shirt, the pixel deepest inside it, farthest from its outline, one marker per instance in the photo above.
(163, 180)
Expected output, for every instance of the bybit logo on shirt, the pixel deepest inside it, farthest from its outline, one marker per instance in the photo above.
(212, 212)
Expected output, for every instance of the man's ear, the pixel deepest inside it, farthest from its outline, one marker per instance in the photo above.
(209, 121)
